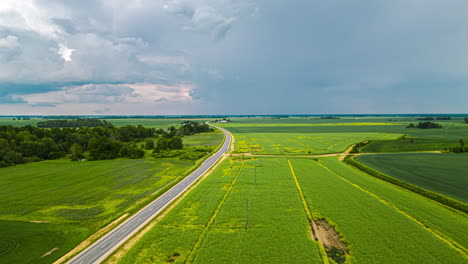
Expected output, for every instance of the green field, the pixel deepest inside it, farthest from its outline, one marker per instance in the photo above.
(301, 143)
(209, 225)
(25, 242)
(442, 173)
(85, 195)
(453, 129)
(375, 219)
(204, 139)
(409, 145)
(8, 121)
(374, 224)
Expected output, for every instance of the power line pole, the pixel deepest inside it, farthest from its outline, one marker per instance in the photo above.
(255, 178)
(246, 213)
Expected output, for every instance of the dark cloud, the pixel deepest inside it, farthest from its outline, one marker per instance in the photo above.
(247, 56)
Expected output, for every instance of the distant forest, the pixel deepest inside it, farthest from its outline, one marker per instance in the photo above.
(88, 122)
(28, 144)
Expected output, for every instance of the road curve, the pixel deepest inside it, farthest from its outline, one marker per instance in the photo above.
(101, 249)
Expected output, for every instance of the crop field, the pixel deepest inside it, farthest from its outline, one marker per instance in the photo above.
(301, 143)
(441, 173)
(439, 219)
(8, 121)
(204, 139)
(373, 225)
(454, 129)
(26, 242)
(84, 195)
(409, 145)
(244, 212)
(251, 212)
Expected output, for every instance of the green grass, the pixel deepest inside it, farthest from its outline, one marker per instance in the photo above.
(85, 195)
(208, 226)
(409, 145)
(375, 230)
(441, 173)
(301, 143)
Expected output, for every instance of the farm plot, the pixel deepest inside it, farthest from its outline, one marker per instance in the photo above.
(443, 222)
(409, 145)
(244, 212)
(63, 197)
(301, 143)
(442, 173)
(373, 229)
(26, 242)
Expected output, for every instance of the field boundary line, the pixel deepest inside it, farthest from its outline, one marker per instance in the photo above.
(322, 250)
(454, 245)
(193, 252)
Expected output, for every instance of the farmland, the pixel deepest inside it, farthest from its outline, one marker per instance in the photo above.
(84, 195)
(302, 143)
(363, 209)
(287, 207)
(237, 215)
(60, 203)
(254, 209)
(214, 223)
(441, 173)
(409, 145)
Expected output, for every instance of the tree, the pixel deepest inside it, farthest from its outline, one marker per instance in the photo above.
(130, 150)
(176, 143)
(149, 143)
(76, 152)
(162, 144)
(466, 119)
(410, 125)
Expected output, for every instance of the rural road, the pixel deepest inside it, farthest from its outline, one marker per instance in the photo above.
(101, 249)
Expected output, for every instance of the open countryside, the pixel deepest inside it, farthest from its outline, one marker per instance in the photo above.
(233, 132)
(261, 203)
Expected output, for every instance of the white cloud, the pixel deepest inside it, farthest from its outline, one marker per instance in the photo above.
(209, 20)
(9, 42)
(111, 94)
(65, 52)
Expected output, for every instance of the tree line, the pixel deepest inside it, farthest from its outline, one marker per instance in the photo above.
(424, 125)
(81, 122)
(28, 144)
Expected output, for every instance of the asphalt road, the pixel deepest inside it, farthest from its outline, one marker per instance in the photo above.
(101, 249)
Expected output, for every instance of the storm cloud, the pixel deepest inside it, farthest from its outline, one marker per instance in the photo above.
(233, 57)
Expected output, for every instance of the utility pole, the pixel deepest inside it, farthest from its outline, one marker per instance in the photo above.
(255, 177)
(246, 213)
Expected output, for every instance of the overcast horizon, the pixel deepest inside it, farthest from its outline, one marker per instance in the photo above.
(226, 57)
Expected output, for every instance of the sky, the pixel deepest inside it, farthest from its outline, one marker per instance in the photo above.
(182, 57)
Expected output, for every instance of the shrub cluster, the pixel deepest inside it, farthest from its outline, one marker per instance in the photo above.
(424, 125)
(461, 148)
